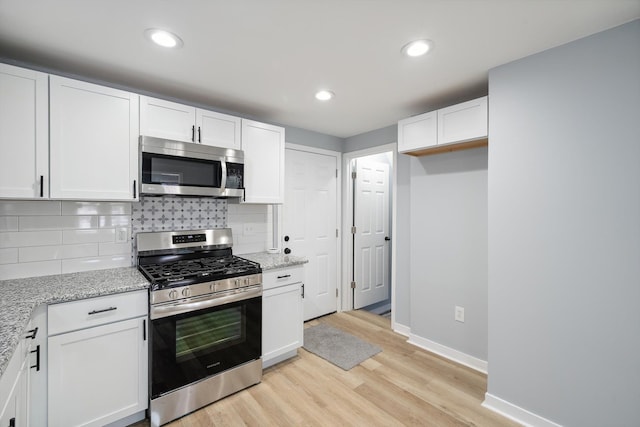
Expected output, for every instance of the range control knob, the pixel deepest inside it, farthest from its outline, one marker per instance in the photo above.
(173, 294)
(186, 292)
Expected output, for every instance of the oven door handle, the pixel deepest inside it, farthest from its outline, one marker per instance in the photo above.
(199, 303)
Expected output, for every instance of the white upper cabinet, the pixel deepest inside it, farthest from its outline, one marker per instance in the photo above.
(217, 129)
(93, 141)
(24, 133)
(418, 132)
(166, 119)
(463, 122)
(263, 147)
(170, 120)
(459, 126)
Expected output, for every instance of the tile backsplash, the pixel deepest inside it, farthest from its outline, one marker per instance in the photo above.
(156, 213)
(39, 238)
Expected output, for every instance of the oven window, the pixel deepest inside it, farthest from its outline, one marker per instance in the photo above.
(209, 332)
(172, 170)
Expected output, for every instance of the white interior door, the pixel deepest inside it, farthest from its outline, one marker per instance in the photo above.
(371, 245)
(310, 224)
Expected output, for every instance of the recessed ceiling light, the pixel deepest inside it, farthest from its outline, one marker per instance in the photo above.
(163, 38)
(417, 47)
(324, 95)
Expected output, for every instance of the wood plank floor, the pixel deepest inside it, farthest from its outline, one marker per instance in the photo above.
(400, 386)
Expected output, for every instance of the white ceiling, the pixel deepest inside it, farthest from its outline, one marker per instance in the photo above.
(266, 58)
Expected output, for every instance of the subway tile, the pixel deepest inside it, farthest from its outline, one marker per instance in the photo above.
(8, 256)
(70, 237)
(107, 221)
(8, 223)
(29, 269)
(29, 207)
(115, 248)
(19, 239)
(27, 223)
(43, 253)
(96, 208)
(95, 263)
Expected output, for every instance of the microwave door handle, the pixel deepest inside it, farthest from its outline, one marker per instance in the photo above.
(223, 181)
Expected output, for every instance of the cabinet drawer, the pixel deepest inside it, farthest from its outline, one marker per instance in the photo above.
(85, 313)
(282, 276)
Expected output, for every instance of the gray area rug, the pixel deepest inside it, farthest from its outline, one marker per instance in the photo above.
(338, 347)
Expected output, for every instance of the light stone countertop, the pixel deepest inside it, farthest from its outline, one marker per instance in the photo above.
(271, 261)
(19, 297)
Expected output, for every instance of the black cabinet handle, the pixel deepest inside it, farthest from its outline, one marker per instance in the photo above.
(37, 352)
(32, 333)
(199, 135)
(41, 185)
(144, 329)
(284, 277)
(193, 133)
(102, 311)
(12, 422)
(303, 290)
(135, 189)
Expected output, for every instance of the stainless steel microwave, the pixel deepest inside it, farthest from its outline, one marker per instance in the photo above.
(187, 169)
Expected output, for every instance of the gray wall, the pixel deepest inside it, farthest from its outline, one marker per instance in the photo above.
(564, 231)
(402, 238)
(374, 138)
(313, 139)
(449, 249)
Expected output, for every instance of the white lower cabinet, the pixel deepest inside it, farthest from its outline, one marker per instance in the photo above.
(23, 398)
(98, 372)
(282, 314)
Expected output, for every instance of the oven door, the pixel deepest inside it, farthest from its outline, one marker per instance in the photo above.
(194, 345)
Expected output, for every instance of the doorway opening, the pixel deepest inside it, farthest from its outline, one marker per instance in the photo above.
(368, 229)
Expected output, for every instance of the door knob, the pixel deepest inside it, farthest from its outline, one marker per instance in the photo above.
(387, 238)
(287, 251)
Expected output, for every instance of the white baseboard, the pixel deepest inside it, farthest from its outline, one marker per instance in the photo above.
(449, 353)
(516, 413)
(401, 329)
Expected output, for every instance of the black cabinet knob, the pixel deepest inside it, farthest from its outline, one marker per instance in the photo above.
(287, 251)
(286, 238)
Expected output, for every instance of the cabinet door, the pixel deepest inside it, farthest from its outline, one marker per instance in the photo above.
(463, 122)
(217, 129)
(24, 133)
(166, 119)
(282, 321)
(418, 132)
(263, 147)
(98, 375)
(37, 367)
(94, 141)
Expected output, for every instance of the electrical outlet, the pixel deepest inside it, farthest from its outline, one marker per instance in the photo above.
(248, 229)
(122, 234)
(459, 314)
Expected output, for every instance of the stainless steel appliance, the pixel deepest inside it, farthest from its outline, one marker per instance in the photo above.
(183, 168)
(206, 320)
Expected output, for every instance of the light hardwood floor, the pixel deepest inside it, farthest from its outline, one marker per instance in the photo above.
(400, 386)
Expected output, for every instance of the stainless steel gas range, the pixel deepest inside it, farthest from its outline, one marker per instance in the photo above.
(206, 320)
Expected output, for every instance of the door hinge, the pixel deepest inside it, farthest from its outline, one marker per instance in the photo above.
(336, 232)
(336, 173)
(353, 285)
(336, 292)
(353, 229)
(353, 175)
